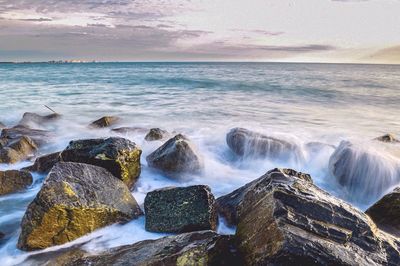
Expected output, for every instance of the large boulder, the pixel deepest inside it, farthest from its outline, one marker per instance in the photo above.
(156, 134)
(17, 150)
(386, 212)
(118, 155)
(197, 248)
(29, 119)
(390, 138)
(180, 209)
(364, 172)
(283, 219)
(246, 143)
(105, 121)
(43, 164)
(75, 199)
(176, 156)
(40, 137)
(13, 181)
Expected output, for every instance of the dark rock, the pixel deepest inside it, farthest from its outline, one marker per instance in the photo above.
(17, 150)
(13, 181)
(156, 134)
(197, 248)
(129, 130)
(176, 156)
(388, 138)
(43, 164)
(118, 155)
(363, 172)
(75, 199)
(40, 137)
(386, 212)
(247, 143)
(2, 235)
(286, 220)
(180, 209)
(105, 121)
(227, 206)
(2, 125)
(29, 119)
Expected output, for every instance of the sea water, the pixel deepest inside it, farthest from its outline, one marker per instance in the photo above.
(301, 103)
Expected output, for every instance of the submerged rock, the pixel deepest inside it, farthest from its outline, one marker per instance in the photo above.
(155, 134)
(17, 150)
(180, 209)
(129, 130)
(32, 118)
(43, 164)
(247, 143)
(40, 137)
(197, 248)
(75, 199)
(118, 155)
(386, 212)
(176, 156)
(105, 121)
(364, 172)
(13, 181)
(283, 219)
(388, 138)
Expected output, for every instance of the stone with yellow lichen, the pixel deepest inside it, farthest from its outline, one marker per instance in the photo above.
(75, 199)
(121, 157)
(13, 181)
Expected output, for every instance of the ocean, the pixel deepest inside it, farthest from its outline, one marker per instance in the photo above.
(301, 103)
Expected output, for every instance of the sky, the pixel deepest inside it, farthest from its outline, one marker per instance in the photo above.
(337, 31)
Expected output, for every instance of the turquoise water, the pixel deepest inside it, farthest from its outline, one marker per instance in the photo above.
(302, 103)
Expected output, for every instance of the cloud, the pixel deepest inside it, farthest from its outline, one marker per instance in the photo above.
(390, 55)
(35, 19)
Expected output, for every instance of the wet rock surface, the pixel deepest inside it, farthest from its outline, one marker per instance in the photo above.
(196, 248)
(246, 143)
(180, 209)
(390, 138)
(43, 164)
(118, 155)
(74, 200)
(283, 219)
(39, 136)
(156, 134)
(14, 181)
(386, 212)
(29, 119)
(105, 121)
(175, 157)
(129, 130)
(15, 150)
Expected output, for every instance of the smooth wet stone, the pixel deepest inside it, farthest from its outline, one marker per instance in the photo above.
(17, 150)
(197, 248)
(156, 134)
(40, 137)
(75, 199)
(129, 130)
(390, 138)
(246, 143)
(180, 209)
(118, 155)
(283, 219)
(29, 119)
(105, 121)
(13, 181)
(43, 164)
(175, 157)
(386, 212)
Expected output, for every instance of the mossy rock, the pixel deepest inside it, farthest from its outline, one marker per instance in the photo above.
(17, 150)
(118, 155)
(75, 199)
(105, 121)
(13, 181)
(180, 209)
(43, 164)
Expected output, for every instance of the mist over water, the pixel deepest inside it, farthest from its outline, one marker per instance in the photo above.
(314, 106)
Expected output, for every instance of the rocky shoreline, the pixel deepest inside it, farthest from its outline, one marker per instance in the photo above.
(281, 218)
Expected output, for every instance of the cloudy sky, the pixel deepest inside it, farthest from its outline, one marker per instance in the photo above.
(362, 31)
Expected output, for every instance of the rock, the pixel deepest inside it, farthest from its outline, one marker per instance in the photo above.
(2, 235)
(2, 125)
(40, 137)
(388, 138)
(364, 172)
(283, 219)
(386, 212)
(180, 209)
(197, 248)
(75, 199)
(13, 181)
(129, 130)
(247, 143)
(29, 119)
(105, 121)
(176, 156)
(43, 164)
(17, 150)
(155, 134)
(118, 155)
